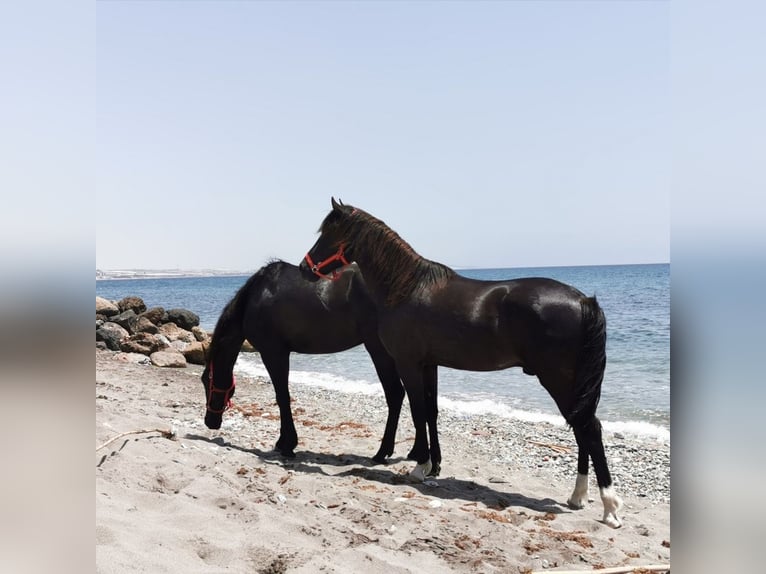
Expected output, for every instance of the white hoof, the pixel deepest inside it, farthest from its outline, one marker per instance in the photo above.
(612, 504)
(612, 520)
(580, 495)
(576, 503)
(420, 472)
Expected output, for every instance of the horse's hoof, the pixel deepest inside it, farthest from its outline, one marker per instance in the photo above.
(420, 472)
(576, 504)
(579, 496)
(435, 470)
(379, 459)
(612, 503)
(612, 520)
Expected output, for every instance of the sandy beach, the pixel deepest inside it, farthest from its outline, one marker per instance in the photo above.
(215, 501)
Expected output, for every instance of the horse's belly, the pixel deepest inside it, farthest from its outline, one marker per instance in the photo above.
(471, 358)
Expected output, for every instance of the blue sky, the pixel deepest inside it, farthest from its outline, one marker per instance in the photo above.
(499, 134)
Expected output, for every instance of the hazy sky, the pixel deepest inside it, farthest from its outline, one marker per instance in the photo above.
(499, 134)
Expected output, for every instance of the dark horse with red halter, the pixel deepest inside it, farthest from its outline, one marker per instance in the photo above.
(280, 310)
(428, 315)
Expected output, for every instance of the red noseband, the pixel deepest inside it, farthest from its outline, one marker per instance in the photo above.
(227, 396)
(316, 268)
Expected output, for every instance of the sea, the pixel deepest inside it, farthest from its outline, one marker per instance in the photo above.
(635, 396)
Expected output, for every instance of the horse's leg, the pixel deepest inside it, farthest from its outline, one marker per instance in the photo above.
(580, 494)
(412, 377)
(612, 502)
(278, 365)
(394, 391)
(432, 412)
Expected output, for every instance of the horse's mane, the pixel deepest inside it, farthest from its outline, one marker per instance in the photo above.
(401, 271)
(233, 311)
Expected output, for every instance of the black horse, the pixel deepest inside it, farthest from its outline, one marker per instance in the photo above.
(428, 315)
(280, 310)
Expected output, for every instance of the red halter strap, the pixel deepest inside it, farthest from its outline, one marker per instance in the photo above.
(316, 268)
(226, 398)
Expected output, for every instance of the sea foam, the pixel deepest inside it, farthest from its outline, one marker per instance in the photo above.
(252, 366)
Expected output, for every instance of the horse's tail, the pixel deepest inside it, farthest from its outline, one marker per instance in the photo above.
(590, 364)
(228, 335)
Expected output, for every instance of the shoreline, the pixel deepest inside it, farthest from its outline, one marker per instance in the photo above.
(215, 500)
(460, 406)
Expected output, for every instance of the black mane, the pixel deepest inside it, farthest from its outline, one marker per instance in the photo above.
(403, 270)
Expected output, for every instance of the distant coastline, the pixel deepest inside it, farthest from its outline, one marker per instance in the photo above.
(114, 274)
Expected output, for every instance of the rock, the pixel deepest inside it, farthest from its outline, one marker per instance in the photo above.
(248, 348)
(174, 333)
(200, 334)
(101, 345)
(167, 359)
(135, 304)
(112, 335)
(155, 315)
(127, 320)
(179, 346)
(195, 352)
(144, 343)
(136, 358)
(184, 318)
(144, 325)
(165, 341)
(106, 308)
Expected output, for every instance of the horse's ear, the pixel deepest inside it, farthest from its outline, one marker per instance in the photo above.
(335, 205)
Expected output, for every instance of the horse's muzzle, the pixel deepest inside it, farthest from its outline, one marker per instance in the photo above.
(213, 420)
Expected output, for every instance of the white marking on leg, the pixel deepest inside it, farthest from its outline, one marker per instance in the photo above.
(612, 503)
(580, 495)
(420, 472)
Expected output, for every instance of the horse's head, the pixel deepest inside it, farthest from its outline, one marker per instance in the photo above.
(217, 398)
(331, 250)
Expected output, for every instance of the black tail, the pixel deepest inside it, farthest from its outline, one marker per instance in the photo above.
(590, 364)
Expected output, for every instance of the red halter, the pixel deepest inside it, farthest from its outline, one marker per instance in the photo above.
(316, 268)
(226, 398)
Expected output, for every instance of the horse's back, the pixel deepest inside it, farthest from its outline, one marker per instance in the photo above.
(489, 325)
(294, 311)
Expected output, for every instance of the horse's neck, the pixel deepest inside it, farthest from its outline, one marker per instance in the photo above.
(371, 278)
(383, 279)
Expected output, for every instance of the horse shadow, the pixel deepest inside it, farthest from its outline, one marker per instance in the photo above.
(448, 488)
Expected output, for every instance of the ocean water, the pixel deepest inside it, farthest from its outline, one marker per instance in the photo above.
(635, 396)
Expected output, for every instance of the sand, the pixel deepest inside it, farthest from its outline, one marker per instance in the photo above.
(223, 501)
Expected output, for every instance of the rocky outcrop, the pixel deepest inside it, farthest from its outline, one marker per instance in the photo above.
(170, 338)
(111, 334)
(167, 359)
(175, 333)
(135, 304)
(195, 352)
(184, 318)
(144, 343)
(155, 315)
(106, 308)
